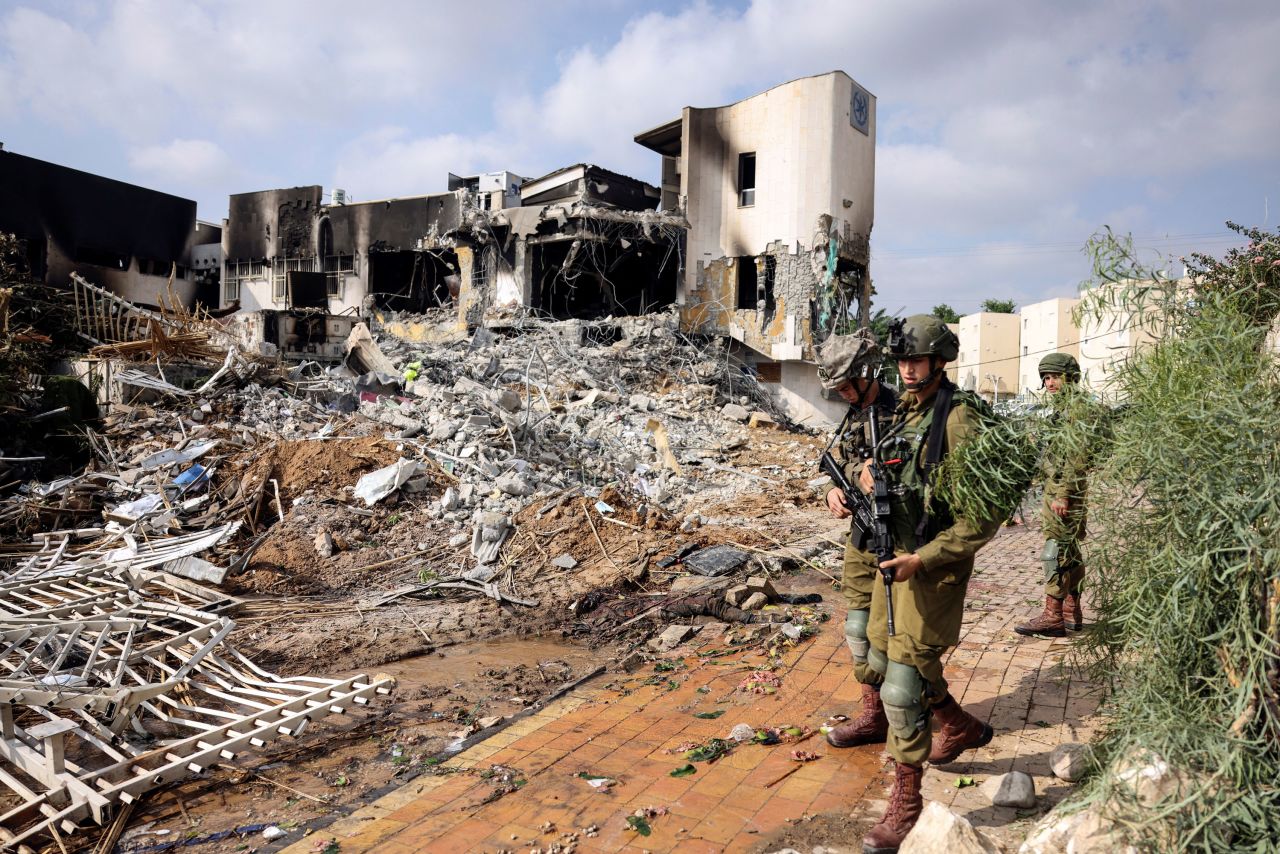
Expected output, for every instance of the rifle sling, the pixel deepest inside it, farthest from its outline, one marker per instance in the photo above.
(934, 443)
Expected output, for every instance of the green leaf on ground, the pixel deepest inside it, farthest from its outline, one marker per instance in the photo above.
(965, 782)
(710, 716)
(639, 825)
(709, 752)
(704, 690)
(684, 771)
(585, 776)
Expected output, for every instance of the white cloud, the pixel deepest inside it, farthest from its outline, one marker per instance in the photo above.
(1000, 123)
(185, 162)
(143, 66)
(390, 162)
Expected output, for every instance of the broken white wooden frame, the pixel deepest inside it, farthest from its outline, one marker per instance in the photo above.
(116, 679)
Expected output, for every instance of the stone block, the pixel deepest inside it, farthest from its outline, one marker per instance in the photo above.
(737, 594)
(673, 636)
(735, 412)
(642, 402)
(754, 602)
(939, 829)
(1071, 761)
(1015, 789)
(508, 400)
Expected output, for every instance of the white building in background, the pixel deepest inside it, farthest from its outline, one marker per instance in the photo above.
(1109, 337)
(1046, 327)
(988, 362)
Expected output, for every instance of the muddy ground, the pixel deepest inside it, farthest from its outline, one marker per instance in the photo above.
(460, 663)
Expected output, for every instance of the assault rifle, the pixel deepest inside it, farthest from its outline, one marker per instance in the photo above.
(870, 512)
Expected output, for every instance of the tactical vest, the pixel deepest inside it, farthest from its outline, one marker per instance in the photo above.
(855, 442)
(910, 459)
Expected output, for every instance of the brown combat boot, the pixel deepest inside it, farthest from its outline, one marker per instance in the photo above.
(904, 809)
(1072, 613)
(1048, 624)
(872, 727)
(959, 731)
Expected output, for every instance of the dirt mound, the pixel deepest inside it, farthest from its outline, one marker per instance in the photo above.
(328, 466)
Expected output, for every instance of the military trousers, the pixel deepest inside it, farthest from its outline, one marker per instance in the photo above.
(928, 609)
(857, 581)
(1062, 556)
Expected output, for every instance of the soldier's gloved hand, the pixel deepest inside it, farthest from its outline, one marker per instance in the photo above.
(865, 480)
(1059, 506)
(904, 566)
(835, 503)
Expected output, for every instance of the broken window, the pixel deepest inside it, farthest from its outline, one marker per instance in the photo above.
(480, 269)
(280, 272)
(336, 268)
(765, 291)
(747, 282)
(231, 291)
(746, 179)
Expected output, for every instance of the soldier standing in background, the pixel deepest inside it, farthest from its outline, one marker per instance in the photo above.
(1062, 518)
(849, 366)
(934, 560)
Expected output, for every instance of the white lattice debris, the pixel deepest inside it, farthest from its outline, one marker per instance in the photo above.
(116, 679)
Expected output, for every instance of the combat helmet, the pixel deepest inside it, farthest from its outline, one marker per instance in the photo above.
(923, 335)
(1060, 363)
(847, 357)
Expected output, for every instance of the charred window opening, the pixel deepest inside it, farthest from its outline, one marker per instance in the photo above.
(101, 257)
(482, 268)
(412, 281)
(747, 282)
(307, 289)
(746, 179)
(766, 286)
(594, 278)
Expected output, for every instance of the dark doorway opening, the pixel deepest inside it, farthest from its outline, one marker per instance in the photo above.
(747, 282)
(412, 281)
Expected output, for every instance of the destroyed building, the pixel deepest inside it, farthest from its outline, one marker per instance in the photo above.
(579, 242)
(125, 238)
(760, 232)
(778, 190)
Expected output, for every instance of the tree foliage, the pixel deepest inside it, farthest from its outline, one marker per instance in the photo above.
(999, 306)
(945, 313)
(1184, 558)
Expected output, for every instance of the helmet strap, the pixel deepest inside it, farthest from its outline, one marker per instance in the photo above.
(937, 366)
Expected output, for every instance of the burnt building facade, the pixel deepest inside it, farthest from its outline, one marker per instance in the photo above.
(579, 242)
(287, 249)
(120, 236)
(778, 189)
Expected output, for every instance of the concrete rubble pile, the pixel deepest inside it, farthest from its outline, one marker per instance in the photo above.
(547, 406)
(116, 676)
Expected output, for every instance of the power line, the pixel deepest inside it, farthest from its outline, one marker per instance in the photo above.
(1215, 238)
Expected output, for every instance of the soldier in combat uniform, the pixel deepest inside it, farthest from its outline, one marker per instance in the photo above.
(934, 559)
(849, 366)
(1062, 518)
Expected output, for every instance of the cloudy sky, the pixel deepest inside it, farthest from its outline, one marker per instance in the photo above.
(1008, 132)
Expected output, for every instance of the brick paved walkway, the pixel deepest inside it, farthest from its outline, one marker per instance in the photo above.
(625, 728)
